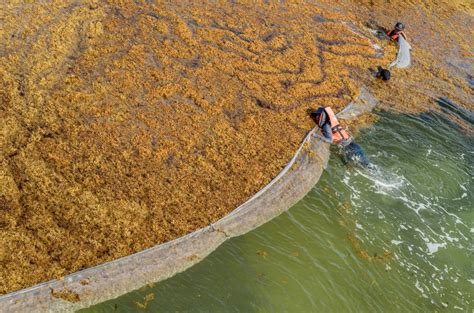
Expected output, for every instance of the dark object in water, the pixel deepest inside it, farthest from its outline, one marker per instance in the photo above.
(353, 153)
(380, 31)
(383, 73)
(381, 34)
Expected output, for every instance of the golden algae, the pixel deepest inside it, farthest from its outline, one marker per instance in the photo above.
(441, 35)
(363, 254)
(128, 124)
(65, 294)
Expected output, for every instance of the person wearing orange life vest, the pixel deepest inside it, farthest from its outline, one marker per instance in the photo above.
(332, 130)
(397, 32)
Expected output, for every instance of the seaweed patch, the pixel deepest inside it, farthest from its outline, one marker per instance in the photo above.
(124, 125)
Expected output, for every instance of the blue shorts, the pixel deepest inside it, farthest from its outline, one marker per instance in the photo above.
(353, 153)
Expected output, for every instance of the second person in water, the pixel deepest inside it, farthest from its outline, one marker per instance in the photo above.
(351, 152)
(397, 32)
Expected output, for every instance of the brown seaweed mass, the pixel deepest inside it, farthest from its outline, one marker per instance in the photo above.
(128, 124)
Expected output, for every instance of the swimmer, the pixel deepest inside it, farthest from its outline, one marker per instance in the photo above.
(351, 152)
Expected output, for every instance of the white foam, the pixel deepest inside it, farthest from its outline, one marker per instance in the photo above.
(418, 286)
(380, 180)
(433, 247)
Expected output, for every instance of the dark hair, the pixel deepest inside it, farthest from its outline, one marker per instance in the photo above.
(385, 74)
(319, 116)
(316, 113)
(399, 26)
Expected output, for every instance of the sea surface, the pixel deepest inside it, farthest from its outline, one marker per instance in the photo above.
(394, 238)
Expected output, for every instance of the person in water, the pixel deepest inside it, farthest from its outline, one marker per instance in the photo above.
(397, 31)
(351, 152)
(382, 73)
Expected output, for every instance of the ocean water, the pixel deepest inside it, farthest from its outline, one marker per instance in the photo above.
(394, 238)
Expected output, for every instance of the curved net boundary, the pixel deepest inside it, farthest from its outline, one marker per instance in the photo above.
(112, 279)
(403, 59)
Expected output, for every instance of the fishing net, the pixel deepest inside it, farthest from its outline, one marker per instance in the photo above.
(112, 279)
(403, 56)
(365, 103)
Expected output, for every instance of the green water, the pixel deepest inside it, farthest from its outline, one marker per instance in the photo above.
(416, 206)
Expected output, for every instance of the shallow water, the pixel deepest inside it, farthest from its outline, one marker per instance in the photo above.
(394, 238)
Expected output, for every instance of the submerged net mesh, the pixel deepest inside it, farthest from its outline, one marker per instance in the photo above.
(112, 279)
(365, 103)
(403, 57)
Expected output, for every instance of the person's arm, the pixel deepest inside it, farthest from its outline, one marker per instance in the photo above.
(404, 35)
(326, 130)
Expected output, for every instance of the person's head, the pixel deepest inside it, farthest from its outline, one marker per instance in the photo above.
(319, 116)
(384, 74)
(400, 26)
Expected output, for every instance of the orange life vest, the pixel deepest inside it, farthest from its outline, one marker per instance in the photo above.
(338, 133)
(394, 34)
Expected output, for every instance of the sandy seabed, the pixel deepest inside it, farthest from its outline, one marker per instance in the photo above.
(127, 124)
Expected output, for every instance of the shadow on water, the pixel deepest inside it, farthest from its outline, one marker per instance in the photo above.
(394, 238)
(449, 108)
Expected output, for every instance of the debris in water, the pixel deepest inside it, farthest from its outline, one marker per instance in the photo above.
(262, 253)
